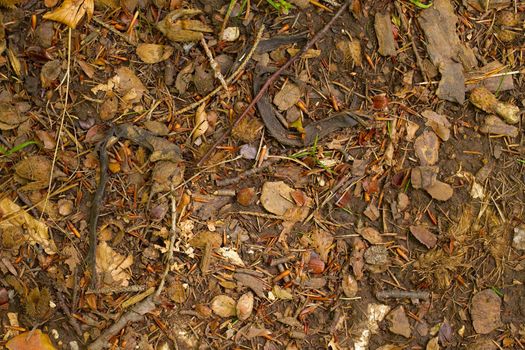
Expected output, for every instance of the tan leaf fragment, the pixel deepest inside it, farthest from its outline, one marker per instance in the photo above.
(71, 12)
(36, 231)
(154, 53)
(113, 267)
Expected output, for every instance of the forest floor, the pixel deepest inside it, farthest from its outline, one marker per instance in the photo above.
(370, 197)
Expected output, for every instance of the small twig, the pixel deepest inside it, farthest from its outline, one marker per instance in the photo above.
(400, 294)
(215, 66)
(228, 80)
(72, 321)
(134, 315)
(114, 31)
(117, 289)
(244, 175)
(173, 234)
(274, 77)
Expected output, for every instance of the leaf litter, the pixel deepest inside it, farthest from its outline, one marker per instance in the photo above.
(358, 171)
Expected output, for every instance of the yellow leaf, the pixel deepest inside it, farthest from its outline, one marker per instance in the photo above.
(35, 230)
(71, 12)
(33, 340)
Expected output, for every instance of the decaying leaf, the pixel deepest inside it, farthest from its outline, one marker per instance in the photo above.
(276, 197)
(351, 51)
(252, 282)
(349, 285)
(201, 239)
(177, 292)
(245, 306)
(71, 12)
(154, 53)
(439, 123)
(176, 28)
(10, 117)
(113, 267)
(281, 293)
(322, 243)
(371, 235)
(486, 311)
(424, 236)
(287, 96)
(426, 147)
(201, 122)
(224, 306)
(36, 231)
(37, 303)
(31, 340)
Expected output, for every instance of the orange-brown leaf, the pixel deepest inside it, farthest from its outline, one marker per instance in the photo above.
(33, 340)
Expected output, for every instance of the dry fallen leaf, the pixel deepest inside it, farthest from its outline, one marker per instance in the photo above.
(231, 255)
(282, 293)
(71, 12)
(37, 232)
(486, 311)
(276, 197)
(287, 96)
(424, 236)
(154, 53)
(34, 172)
(245, 306)
(10, 117)
(176, 28)
(201, 122)
(112, 266)
(371, 235)
(349, 285)
(224, 306)
(322, 243)
(32, 340)
(439, 123)
(426, 147)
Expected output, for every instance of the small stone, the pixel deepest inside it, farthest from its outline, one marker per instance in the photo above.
(65, 207)
(486, 311)
(376, 255)
(440, 191)
(518, 241)
(399, 323)
(230, 34)
(402, 201)
(246, 196)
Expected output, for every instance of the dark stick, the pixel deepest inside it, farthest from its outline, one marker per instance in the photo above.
(399, 294)
(94, 211)
(273, 77)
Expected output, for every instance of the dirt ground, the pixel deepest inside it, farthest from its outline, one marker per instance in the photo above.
(370, 197)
